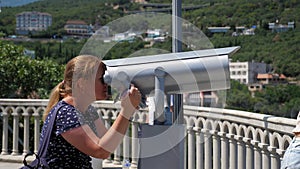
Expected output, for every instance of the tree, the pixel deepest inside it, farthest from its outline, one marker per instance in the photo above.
(238, 97)
(24, 77)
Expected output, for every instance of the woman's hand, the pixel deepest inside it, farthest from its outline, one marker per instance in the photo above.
(130, 102)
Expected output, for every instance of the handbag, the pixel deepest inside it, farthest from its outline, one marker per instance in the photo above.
(35, 164)
(40, 161)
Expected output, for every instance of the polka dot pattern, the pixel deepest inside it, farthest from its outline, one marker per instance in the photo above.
(62, 154)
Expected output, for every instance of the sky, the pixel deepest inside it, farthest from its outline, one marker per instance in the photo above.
(15, 2)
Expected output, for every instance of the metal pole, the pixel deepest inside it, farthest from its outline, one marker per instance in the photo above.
(176, 26)
(159, 95)
(177, 47)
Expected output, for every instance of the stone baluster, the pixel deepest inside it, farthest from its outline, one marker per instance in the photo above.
(208, 149)
(191, 147)
(5, 133)
(107, 123)
(275, 158)
(232, 152)
(135, 145)
(37, 131)
(126, 146)
(224, 151)
(249, 154)
(15, 149)
(199, 149)
(216, 150)
(117, 152)
(241, 152)
(117, 155)
(265, 156)
(257, 155)
(26, 116)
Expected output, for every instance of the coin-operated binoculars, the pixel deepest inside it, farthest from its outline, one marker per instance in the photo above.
(173, 73)
(164, 74)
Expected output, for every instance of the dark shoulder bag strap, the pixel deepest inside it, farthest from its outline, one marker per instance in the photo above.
(45, 142)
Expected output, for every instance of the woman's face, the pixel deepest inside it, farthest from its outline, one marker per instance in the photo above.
(101, 88)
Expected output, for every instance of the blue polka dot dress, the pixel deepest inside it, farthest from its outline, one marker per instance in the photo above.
(61, 153)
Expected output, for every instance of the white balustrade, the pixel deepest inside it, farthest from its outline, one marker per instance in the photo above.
(199, 149)
(257, 156)
(224, 151)
(216, 150)
(191, 147)
(216, 138)
(4, 132)
(249, 154)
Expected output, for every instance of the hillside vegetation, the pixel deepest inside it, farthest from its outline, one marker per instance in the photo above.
(281, 50)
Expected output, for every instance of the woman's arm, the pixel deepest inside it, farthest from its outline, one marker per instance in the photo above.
(100, 127)
(85, 140)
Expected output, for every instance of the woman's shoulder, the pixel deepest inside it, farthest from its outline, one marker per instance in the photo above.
(59, 106)
(65, 109)
(66, 118)
(64, 105)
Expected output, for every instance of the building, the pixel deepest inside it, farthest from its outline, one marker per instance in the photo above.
(242, 30)
(255, 87)
(271, 78)
(202, 98)
(126, 36)
(78, 27)
(103, 32)
(219, 29)
(32, 22)
(155, 35)
(275, 27)
(246, 72)
(264, 79)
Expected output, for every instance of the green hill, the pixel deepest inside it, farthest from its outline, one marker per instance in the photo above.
(279, 49)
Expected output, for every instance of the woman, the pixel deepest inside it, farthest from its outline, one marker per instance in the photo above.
(78, 132)
(291, 158)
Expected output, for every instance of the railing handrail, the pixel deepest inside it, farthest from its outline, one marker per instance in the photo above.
(269, 121)
(239, 138)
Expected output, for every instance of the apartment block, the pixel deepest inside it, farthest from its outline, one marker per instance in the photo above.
(271, 78)
(78, 27)
(32, 22)
(246, 72)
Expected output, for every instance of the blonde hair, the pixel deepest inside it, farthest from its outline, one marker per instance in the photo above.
(83, 66)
